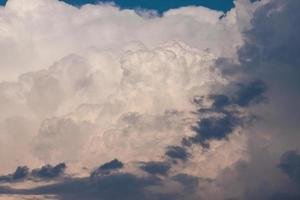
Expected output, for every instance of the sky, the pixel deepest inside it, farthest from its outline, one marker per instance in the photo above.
(101, 102)
(159, 6)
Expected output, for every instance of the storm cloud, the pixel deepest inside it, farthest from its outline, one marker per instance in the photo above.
(193, 104)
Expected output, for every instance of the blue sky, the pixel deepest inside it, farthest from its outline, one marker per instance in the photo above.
(160, 5)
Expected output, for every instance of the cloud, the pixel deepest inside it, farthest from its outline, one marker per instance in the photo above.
(23, 173)
(106, 168)
(128, 186)
(33, 38)
(20, 173)
(177, 152)
(275, 128)
(91, 89)
(249, 93)
(189, 182)
(285, 196)
(220, 100)
(290, 164)
(156, 168)
(104, 186)
(276, 21)
(96, 78)
(214, 128)
(91, 112)
(49, 171)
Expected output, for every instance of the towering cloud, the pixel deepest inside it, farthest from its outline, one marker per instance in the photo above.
(193, 104)
(37, 33)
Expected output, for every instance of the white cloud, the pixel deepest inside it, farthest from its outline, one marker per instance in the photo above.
(36, 33)
(86, 85)
(91, 108)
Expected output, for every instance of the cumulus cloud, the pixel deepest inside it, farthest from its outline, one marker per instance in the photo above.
(78, 108)
(197, 104)
(37, 33)
(105, 77)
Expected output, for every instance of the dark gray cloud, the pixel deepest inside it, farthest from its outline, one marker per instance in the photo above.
(177, 152)
(106, 168)
(252, 92)
(284, 196)
(269, 61)
(219, 101)
(274, 36)
(5, 178)
(189, 182)
(259, 178)
(45, 172)
(156, 168)
(213, 128)
(21, 173)
(242, 95)
(49, 171)
(290, 164)
(111, 187)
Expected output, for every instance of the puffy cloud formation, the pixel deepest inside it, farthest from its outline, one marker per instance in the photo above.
(194, 104)
(37, 33)
(81, 107)
(75, 111)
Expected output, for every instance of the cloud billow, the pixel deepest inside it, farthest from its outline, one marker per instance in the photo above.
(106, 168)
(208, 116)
